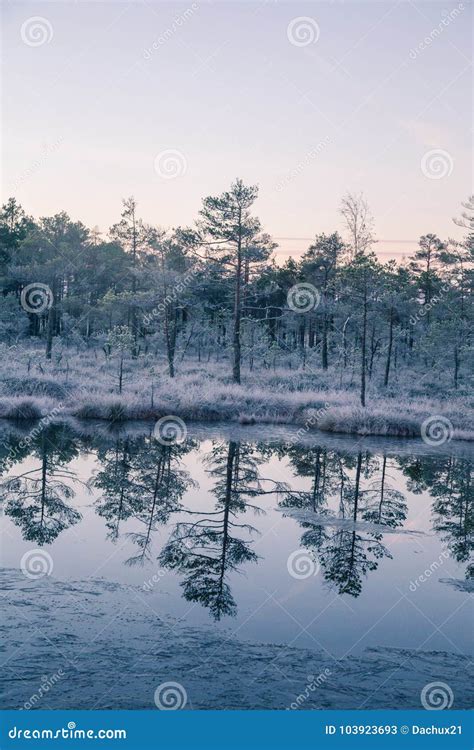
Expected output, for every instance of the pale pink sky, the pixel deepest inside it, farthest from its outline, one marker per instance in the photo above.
(376, 97)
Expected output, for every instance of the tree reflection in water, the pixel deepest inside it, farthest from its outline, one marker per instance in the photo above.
(449, 481)
(206, 550)
(348, 502)
(141, 479)
(346, 554)
(37, 500)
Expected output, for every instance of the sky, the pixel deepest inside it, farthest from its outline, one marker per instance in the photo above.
(169, 102)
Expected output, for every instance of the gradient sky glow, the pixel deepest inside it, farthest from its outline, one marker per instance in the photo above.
(85, 114)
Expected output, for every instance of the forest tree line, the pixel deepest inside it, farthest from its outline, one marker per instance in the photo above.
(214, 291)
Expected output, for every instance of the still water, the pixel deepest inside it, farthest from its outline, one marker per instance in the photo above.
(239, 563)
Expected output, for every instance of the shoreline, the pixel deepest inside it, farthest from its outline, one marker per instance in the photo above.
(108, 432)
(84, 386)
(379, 419)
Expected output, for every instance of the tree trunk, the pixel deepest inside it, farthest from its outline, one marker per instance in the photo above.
(133, 311)
(456, 366)
(49, 334)
(317, 472)
(121, 373)
(325, 343)
(357, 486)
(170, 335)
(364, 345)
(51, 320)
(311, 335)
(231, 456)
(389, 351)
(237, 315)
(382, 488)
(302, 335)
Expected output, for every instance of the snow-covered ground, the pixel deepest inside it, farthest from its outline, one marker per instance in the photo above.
(97, 644)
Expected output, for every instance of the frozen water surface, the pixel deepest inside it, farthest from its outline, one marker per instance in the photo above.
(254, 571)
